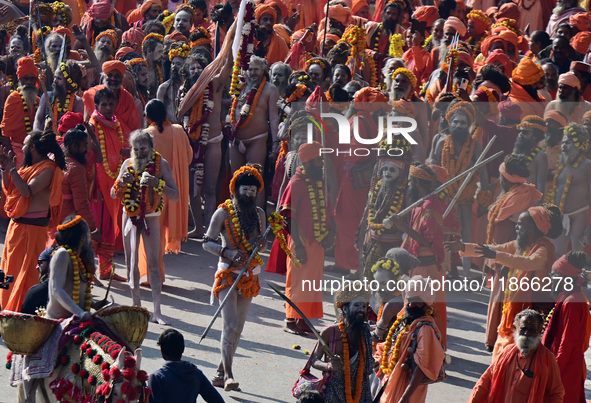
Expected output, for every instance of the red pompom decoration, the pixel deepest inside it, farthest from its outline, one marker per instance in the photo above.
(106, 375)
(77, 339)
(129, 362)
(126, 388)
(129, 373)
(83, 373)
(90, 352)
(84, 346)
(84, 325)
(142, 375)
(97, 359)
(132, 395)
(105, 365)
(75, 368)
(64, 360)
(115, 373)
(115, 353)
(92, 380)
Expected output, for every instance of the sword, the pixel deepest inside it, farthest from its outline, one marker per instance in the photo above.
(240, 274)
(325, 347)
(468, 178)
(449, 182)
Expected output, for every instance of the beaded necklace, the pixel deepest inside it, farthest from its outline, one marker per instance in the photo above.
(78, 263)
(247, 110)
(347, 366)
(28, 126)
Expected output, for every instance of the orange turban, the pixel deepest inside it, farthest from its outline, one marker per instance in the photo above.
(340, 13)
(113, 65)
(580, 20)
(498, 56)
(69, 121)
(513, 178)
(280, 5)
(584, 67)
(299, 34)
(26, 66)
(509, 36)
(563, 266)
(427, 14)
(480, 20)
(569, 79)
(148, 4)
(460, 5)
(329, 37)
(123, 51)
(487, 43)
(62, 31)
(581, 41)
(556, 116)
(369, 99)
(508, 10)
(465, 58)
(100, 10)
(177, 36)
(133, 35)
(309, 151)
(541, 217)
(527, 72)
(456, 24)
(358, 5)
(263, 9)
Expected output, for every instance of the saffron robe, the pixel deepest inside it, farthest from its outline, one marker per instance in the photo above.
(528, 105)
(126, 110)
(13, 123)
(278, 49)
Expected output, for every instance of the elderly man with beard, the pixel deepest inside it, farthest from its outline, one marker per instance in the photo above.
(20, 108)
(125, 107)
(378, 33)
(33, 199)
(250, 144)
(350, 342)
(568, 329)
(570, 101)
(247, 222)
(279, 73)
(417, 354)
(531, 131)
(74, 185)
(320, 72)
(66, 82)
(530, 255)
(139, 72)
(526, 371)
(271, 46)
(452, 26)
(168, 91)
(146, 172)
(148, 11)
(466, 150)
(105, 46)
(310, 235)
(153, 51)
(561, 14)
(574, 172)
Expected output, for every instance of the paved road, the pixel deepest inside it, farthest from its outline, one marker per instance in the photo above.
(265, 364)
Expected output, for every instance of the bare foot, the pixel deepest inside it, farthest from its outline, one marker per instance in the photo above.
(231, 384)
(158, 319)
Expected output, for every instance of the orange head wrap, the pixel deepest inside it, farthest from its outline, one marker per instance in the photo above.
(243, 173)
(340, 13)
(508, 10)
(584, 67)
(487, 43)
(463, 106)
(299, 34)
(178, 37)
(581, 41)
(541, 217)
(109, 33)
(427, 14)
(26, 66)
(563, 266)
(509, 36)
(498, 56)
(441, 173)
(420, 173)
(309, 151)
(511, 178)
(123, 51)
(456, 24)
(527, 72)
(263, 9)
(358, 5)
(580, 20)
(69, 121)
(148, 4)
(133, 35)
(556, 116)
(280, 5)
(510, 110)
(569, 79)
(480, 20)
(113, 65)
(465, 58)
(61, 30)
(329, 37)
(100, 10)
(369, 99)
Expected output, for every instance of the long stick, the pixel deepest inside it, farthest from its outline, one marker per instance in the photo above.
(240, 274)
(468, 178)
(325, 29)
(449, 182)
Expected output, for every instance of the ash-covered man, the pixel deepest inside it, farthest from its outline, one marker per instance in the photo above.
(247, 223)
(145, 174)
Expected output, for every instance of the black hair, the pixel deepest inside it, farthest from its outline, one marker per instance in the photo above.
(577, 258)
(427, 184)
(74, 136)
(130, 56)
(445, 7)
(492, 73)
(150, 44)
(311, 396)
(530, 314)
(45, 143)
(343, 67)
(340, 50)
(156, 112)
(149, 25)
(104, 93)
(564, 25)
(542, 37)
(222, 13)
(298, 124)
(71, 236)
(200, 5)
(337, 93)
(555, 221)
(172, 344)
(246, 179)
(517, 164)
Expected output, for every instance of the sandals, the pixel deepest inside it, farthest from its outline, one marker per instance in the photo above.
(218, 380)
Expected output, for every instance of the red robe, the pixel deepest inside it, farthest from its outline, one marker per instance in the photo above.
(126, 110)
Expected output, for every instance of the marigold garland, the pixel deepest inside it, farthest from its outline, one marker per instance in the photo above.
(70, 224)
(409, 74)
(28, 126)
(395, 207)
(455, 167)
(109, 33)
(77, 264)
(355, 36)
(297, 93)
(247, 110)
(101, 137)
(67, 107)
(182, 52)
(377, 36)
(67, 76)
(388, 363)
(277, 226)
(245, 50)
(386, 264)
(349, 396)
(396, 48)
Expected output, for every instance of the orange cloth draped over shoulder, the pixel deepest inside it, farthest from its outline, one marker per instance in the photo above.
(125, 111)
(13, 123)
(175, 148)
(25, 242)
(278, 49)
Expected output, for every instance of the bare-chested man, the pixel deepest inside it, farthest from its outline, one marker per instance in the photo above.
(153, 51)
(571, 189)
(146, 171)
(169, 90)
(253, 123)
(531, 132)
(245, 185)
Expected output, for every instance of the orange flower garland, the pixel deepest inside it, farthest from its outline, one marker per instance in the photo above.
(387, 365)
(101, 138)
(551, 195)
(67, 107)
(297, 94)
(347, 366)
(463, 162)
(28, 126)
(77, 263)
(277, 225)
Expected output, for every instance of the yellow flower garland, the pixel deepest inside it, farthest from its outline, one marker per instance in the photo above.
(277, 225)
(77, 263)
(101, 138)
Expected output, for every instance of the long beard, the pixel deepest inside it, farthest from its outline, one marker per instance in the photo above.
(247, 214)
(389, 26)
(559, 9)
(384, 198)
(140, 163)
(102, 56)
(522, 242)
(413, 314)
(355, 321)
(58, 91)
(399, 94)
(459, 134)
(442, 51)
(175, 75)
(30, 95)
(413, 194)
(52, 60)
(526, 344)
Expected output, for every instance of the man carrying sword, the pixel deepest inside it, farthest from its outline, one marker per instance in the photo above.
(240, 223)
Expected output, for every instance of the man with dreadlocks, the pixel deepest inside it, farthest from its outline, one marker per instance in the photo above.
(169, 90)
(153, 52)
(531, 131)
(350, 342)
(240, 223)
(574, 172)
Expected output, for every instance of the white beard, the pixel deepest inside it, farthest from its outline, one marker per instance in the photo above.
(30, 95)
(525, 344)
(139, 164)
(102, 56)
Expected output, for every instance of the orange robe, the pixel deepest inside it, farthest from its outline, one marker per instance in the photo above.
(13, 123)
(505, 382)
(173, 143)
(428, 356)
(278, 49)
(418, 60)
(125, 111)
(529, 105)
(24, 242)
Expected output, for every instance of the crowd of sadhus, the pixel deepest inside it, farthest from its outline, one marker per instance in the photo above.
(221, 85)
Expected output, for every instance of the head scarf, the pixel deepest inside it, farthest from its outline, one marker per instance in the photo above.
(419, 173)
(465, 58)
(178, 37)
(148, 4)
(419, 287)
(309, 151)
(508, 10)
(456, 24)
(541, 217)
(569, 79)
(581, 41)
(340, 13)
(369, 99)
(555, 116)
(358, 5)
(563, 266)
(580, 20)
(263, 9)
(123, 51)
(527, 72)
(487, 43)
(480, 20)
(584, 67)
(100, 10)
(441, 173)
(428, 14)
(281, 5)
(463, 106)
(509, 36)
(26, 66)
(498, 56)
(113, 65)
(69, 121)
(509, 109)
(133, 35)
(511, 177)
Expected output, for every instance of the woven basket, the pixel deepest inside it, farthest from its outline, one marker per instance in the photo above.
(25, 334)
(129, 322)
